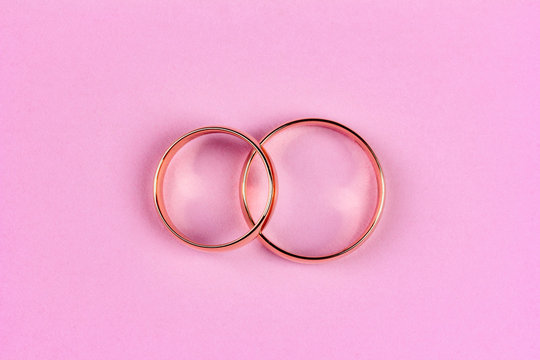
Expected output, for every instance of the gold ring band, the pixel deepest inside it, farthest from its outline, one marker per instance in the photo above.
(162, 168)
(380, 189)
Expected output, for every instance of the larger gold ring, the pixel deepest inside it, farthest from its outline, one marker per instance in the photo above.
(162, 168)
(380, 189)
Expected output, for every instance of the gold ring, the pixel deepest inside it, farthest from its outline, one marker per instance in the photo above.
(162, 168)
(380, 189)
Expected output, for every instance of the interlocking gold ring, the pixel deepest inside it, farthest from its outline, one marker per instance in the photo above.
(162, 168)
(380, 189)
(257, 226)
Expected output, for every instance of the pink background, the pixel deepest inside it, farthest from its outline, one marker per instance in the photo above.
(92, 93)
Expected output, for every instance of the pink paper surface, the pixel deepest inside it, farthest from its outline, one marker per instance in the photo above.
(93, 93)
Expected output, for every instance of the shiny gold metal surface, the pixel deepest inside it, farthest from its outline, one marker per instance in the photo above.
(256, 226)
(381, 190)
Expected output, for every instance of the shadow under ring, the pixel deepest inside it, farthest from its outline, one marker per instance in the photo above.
(256, 226)
(381, 189)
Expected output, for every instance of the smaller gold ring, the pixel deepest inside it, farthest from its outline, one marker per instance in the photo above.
(160, 174)
(381, 190)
